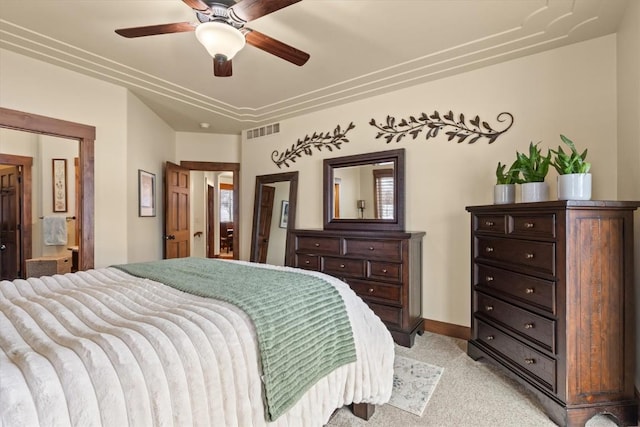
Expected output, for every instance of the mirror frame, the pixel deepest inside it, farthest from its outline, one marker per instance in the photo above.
(396, 224)
(261, 180)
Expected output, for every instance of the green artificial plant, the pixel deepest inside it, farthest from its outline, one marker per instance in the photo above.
(535, 166)
(511, 176)
(573, 162)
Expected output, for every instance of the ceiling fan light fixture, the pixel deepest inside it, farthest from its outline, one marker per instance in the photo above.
(220, 39)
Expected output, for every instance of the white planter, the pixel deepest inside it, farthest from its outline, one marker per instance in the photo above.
(534, 192)
(504, 193)
(574, 186)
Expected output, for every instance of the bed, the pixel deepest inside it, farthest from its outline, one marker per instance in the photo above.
(115, 346)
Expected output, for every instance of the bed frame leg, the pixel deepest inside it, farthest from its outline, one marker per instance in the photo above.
(363, 410)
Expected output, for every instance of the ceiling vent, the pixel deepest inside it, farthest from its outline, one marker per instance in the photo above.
(263, 131)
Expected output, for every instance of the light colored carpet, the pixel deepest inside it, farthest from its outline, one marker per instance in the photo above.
(469, 394)
(413, 384)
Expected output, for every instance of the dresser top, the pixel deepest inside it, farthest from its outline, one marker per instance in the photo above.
(358, 233)
(558, 204)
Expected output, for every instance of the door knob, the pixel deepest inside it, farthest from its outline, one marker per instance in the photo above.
(3, 247)
(170, 237)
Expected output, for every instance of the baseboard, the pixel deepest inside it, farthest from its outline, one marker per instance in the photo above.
(448, 329)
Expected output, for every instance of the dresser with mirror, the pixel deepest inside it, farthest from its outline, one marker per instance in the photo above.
(363, 241)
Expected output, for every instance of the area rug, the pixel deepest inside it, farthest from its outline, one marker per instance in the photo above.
(413, 384)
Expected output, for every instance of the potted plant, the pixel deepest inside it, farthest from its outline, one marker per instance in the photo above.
(574, 179)
(534, 168)
(505, 189)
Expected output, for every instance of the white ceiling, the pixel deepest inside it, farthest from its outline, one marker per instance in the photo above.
(358, 48)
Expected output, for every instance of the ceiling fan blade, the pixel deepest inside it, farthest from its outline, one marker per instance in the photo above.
(222, 68)
(198, 5)
(153, 30)
(275, 47)
(248, 10)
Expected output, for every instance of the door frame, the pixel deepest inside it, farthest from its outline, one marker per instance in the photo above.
(224, 167)
(85, 135)
(211, 219)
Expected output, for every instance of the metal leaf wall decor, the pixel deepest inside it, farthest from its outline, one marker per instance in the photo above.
(455, 127)
(317, 141)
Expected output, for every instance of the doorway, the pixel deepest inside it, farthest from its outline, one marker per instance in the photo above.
(220, 167)
(85, 136)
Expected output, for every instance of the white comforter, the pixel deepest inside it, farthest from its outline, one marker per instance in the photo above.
(105, 348)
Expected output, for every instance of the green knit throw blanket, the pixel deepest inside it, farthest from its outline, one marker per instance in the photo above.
(301, 322)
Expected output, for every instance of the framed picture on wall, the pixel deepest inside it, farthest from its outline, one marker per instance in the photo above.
(284, 214)
(146, 193)
(59, 184)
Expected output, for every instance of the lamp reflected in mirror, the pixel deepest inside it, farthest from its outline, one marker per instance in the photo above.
(361, 206)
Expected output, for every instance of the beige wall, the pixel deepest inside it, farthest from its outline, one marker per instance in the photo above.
(206, 147)
(628, 58)
(561, 91)
(150, 142)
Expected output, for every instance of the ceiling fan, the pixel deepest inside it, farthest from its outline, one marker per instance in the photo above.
(221, 30)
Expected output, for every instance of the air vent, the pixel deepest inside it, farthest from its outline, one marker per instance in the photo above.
(263, 131)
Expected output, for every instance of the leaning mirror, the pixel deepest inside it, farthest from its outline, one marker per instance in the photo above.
(274, 214)
(365, 191)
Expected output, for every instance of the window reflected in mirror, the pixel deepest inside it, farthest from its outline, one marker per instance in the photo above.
(364, 192)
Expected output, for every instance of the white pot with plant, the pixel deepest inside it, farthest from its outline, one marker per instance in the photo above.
(534, 169)
(505, 189)
(574, 179)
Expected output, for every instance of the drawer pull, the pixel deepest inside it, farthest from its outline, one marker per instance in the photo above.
(307, 262)
(371, 248)
(489, 223)
(529, 290)
(488, 307)
(317, 245)
(529, 256)
(529, 361)
(341, 265)
(490, 337)
(489, 278)
(529, 325)
(384, 270)
(370, 290)
(528, 225)
(488, 249)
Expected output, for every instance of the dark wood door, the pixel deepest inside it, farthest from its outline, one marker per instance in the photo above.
(264, 222)
(10, 246)
(211, 221)
(177, 242)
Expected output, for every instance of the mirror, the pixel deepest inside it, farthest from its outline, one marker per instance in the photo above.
(364, 191)
(274, 214)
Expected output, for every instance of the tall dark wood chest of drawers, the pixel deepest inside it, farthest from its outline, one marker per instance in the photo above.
(553, 303)
(384, 268)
